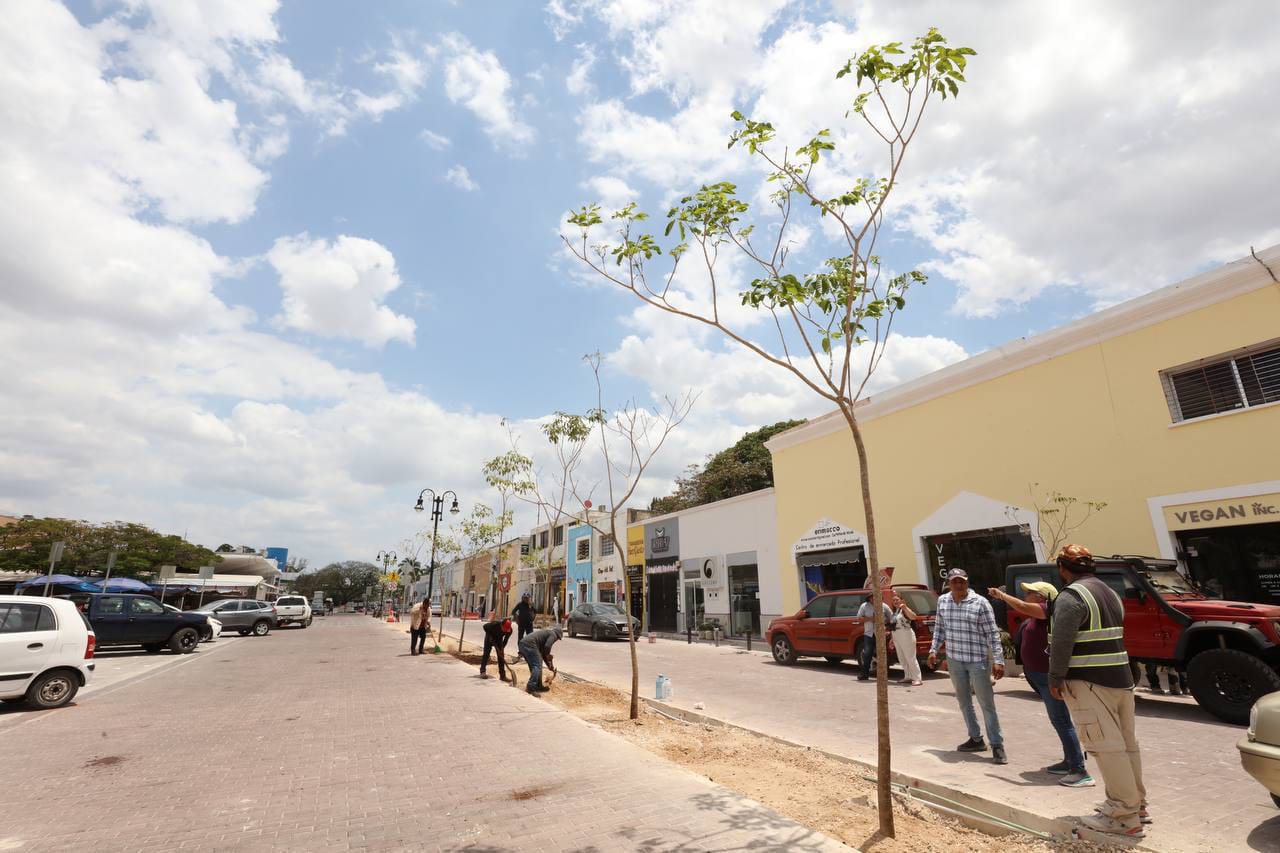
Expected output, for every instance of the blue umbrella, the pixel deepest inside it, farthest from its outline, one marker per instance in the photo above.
(122, 585)
(79, 584)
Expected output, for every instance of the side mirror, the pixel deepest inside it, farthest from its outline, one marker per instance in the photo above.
(1134, 594)
(803, 614)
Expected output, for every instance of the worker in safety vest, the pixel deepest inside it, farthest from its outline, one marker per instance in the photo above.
(1089, 670)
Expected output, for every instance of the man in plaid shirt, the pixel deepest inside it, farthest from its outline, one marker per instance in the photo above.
(967, 625)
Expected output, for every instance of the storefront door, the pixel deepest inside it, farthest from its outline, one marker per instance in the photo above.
(694, 609)
(984, 554)
(1237, 563)
(744, 600)
(664, 590)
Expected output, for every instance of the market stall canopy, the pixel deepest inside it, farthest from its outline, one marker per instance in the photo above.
(78, 584)
(121, 585)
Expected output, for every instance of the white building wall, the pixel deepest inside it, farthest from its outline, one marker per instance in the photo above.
(733, 526)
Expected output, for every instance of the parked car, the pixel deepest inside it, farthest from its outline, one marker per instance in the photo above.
(211, 633)
(293, 610)
(139, 620)
(46, 650)
(1230, 650)
(244, 615)
(600, 621)
(827, 626)
(1260, 747)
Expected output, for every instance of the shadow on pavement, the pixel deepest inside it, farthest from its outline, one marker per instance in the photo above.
(1266, 835)
(755, 828)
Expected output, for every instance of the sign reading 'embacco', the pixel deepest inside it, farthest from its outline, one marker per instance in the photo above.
(827, 534)
(1255, 509)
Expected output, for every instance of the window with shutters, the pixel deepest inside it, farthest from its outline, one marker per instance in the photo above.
(1224, 384)
(584, 549)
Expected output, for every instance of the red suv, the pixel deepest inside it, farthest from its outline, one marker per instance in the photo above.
(1229, 649)
(827, 627)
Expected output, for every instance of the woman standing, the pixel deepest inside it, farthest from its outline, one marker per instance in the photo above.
(904, 640)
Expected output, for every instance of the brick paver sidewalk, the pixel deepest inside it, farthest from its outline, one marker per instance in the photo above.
(1201, 798)
(333, 738)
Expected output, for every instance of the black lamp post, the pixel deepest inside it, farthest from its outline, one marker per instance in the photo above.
(437, 512)
(386, 558)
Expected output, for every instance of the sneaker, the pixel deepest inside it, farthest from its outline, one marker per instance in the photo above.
(1111, 826)
(997, 754)
(1174, 691)
(916, 683)
(532, 691)
(1077, 779)
(1143, 815)
(862, 678)
(1157, 691)
(1062, 768)
(973, 745)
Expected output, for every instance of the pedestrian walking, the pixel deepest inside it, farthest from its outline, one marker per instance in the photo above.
(523, 614)
(1089, 670)
(1032, 642)
(419, 626)
(496, 635)
(1177, 679)
(904, 639)
(867, 616)
(966, 625)
(535, 648)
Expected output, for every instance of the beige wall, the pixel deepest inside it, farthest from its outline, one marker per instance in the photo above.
(1093, 423)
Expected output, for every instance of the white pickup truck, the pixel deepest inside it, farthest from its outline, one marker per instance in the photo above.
(292, 610)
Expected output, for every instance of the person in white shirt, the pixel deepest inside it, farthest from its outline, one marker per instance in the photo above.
(904, 640)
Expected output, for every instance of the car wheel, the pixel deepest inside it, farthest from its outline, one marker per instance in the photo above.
(307, 624)
(152, 648)
(573, 630)
(261, 627)
(184, 641)
(1226, 682)
(783, 652)
(52, 690)
(834, 659)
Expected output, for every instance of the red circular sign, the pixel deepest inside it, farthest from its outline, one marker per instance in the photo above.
(587, 504)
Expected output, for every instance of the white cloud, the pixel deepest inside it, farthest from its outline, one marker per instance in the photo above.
(336, 289)
(434, 140)
(611, 191)
(460, 177)
(579, 80)
(476, 80)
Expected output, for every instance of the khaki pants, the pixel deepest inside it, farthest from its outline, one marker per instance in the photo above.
(1104, 719)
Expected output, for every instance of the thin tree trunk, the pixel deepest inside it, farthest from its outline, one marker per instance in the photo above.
(884, 801)
(631, 638)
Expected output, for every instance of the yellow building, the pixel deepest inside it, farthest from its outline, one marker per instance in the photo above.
(1166, 407)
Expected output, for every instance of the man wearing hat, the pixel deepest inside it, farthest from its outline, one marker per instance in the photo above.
(967, 625)
(535, 648)
(1032, 642)
(1089, 670)
(496, 634)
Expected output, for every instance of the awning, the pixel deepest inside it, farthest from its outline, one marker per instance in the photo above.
(236, 581)
(830, 558)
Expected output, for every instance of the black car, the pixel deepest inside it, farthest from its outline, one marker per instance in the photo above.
(140, 620)
(600, 621)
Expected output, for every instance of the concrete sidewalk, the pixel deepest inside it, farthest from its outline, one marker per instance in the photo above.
(1200, 797)
(334, 738)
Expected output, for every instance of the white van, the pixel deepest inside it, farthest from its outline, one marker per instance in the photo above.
(46, 650)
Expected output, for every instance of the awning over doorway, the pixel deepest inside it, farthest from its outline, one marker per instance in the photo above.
(830, 558)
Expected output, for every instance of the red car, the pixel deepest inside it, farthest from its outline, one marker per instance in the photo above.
(827, 626)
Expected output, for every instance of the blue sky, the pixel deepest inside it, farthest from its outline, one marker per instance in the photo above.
(271, 267)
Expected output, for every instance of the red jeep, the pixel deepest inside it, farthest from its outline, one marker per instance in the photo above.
(1230, 650)
(827, 626)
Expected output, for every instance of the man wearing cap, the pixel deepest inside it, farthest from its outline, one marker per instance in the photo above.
(535, 648)
(1032, 642)
(967, 625)
(496, 634)
(1089, 670)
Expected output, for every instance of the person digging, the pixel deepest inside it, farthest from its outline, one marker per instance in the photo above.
(496, 634)
(535, 648)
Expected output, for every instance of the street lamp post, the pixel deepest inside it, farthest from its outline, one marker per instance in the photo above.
(437, 511)
(386, 558)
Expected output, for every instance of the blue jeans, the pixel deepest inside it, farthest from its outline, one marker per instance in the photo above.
(970, 679)
(533, 657)
(1061, 719)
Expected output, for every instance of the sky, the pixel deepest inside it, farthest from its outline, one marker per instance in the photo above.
(267, 269)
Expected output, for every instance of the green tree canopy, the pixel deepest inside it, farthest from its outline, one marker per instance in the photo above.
(343, 581)
(24, 547)
(745, 467)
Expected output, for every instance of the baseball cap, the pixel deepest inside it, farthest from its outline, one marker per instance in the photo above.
(957, 573)
(1076, 557)
(506, 625)
(1048, 590)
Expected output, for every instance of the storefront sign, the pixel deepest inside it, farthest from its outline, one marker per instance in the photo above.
(663, 568)
(557, 574)
(827, 534)
(1257, 509)
(635, 546)
(662, 540)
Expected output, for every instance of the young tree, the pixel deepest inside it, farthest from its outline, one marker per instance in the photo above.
(821, 316)
(1058, 516)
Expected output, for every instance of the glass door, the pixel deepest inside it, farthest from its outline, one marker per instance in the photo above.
(693, 607)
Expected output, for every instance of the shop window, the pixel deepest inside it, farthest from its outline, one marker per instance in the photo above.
(606, 546)
(1224, 384)
(560, 535)
(983, 554)
(542, 539)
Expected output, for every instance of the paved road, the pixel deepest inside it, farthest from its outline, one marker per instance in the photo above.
(1200, 797)
(333, 738)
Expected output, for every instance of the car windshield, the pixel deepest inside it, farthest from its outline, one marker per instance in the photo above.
(1172, 581)
(607, 610)
(291, 602)
(921, 601)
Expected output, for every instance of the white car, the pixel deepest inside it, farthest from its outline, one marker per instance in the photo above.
(292, 610)
(213, 632)
(46, 650)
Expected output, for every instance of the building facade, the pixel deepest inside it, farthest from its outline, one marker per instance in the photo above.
(1166, 408)
(578, 560)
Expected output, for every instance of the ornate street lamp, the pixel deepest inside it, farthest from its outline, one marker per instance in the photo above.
(386, 558)
(437, 512)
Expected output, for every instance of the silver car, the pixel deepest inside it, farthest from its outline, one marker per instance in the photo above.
(242, 614)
